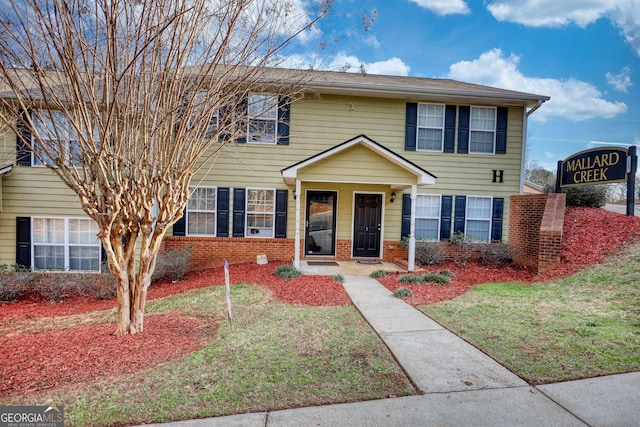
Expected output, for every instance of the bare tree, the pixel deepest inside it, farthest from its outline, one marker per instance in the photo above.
(126, 100)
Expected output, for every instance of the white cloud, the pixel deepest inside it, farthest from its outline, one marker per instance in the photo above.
(344, 62)
(621, 81)
(572, 99)
(444, 7)
(624, 14)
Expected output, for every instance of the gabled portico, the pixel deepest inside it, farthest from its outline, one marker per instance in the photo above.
(365, 166)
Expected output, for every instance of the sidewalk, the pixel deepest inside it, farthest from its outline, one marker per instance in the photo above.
(462, 386)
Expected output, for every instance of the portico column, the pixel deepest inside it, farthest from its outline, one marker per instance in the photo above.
(296, 257)
(411, 259)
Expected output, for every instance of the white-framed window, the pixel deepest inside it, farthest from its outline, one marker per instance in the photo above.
(66, 244)
(478, 218)
(428, 217)
(430, 127)
(201, 212)
(260, 212)
(262, 123)
(482, 130)
(200, 103)
(59, 136)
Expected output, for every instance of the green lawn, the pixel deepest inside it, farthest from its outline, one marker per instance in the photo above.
(582, 326)
(274, 356)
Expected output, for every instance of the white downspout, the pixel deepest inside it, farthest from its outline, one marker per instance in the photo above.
(296, 257)
(525, 125)
(411, 258)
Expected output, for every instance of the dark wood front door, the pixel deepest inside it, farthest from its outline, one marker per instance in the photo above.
(367, 225)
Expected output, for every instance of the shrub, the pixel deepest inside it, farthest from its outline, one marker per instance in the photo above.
(429, 253)
(378, 274)
(446, 273)
(172, 264)
(495, 254)
(436, 278)
(463, 246)
(590, 196)
(402, 293)
(14, 285)
(338, 278)
(411, 278)
(287, 272)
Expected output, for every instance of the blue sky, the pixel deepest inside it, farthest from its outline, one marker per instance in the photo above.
(584, 54)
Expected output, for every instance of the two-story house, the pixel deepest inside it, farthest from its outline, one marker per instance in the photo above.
(343, 173)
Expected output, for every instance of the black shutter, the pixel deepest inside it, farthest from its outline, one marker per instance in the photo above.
(497, 219)
(243, 118)
(406, 216)
(180, 227)
(225, 123)
(238, 211)
(23, 154)
(460, 212)
(464, 117)
(411, 126)
(445, 217)
(449, 128)
(23, 241)
(222, 212)
(501, 130)
(284, 117)
(282, 198)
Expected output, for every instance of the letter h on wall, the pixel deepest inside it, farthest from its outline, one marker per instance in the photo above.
(498, 175)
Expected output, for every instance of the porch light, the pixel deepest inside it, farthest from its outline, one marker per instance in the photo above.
(393, 197)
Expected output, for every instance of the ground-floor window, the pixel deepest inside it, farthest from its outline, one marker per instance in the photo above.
(478, 218)
(428, 217)
(69, 244)
(260, 212)
(201, 212)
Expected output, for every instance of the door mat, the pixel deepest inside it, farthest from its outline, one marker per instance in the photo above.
(314, 263)
(369, 262)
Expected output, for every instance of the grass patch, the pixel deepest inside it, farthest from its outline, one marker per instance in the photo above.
(583, 326)
(273, 356)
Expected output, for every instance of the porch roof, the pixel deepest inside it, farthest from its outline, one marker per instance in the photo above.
(339, 164)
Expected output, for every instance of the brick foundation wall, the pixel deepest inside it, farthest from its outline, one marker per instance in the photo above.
(211, 251)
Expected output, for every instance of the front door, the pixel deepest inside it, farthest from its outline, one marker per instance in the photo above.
(367, 222)
(321, 223)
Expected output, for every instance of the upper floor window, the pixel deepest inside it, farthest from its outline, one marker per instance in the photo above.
(260, 212)
(430, 127)
(58, 137)
(427, 217)
(478, 218)
(262, 123)
(201, 212)
(67, 244)
(482, 129)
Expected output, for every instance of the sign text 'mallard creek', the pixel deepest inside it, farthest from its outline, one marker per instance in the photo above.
(596, 166)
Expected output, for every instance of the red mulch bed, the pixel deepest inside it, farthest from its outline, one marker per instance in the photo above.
(589, 236)
(43, 361)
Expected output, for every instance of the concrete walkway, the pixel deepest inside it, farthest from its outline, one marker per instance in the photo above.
(462, 386)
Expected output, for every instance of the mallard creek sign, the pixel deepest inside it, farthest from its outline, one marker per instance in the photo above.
(600, 166)
(597, 166)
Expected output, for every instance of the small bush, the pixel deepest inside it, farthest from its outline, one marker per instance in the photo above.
(495, 254)
(446, 273)
(589, 196)
(411, 278)
(14, 285)
(378, 274)
(338, 278)
(429, 253)
(287, 272)
(436, 278)
(402, 293)
(173, 264)
(463, 245)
